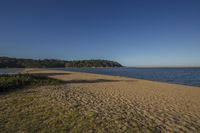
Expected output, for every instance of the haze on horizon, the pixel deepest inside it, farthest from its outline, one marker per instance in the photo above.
(134, 33)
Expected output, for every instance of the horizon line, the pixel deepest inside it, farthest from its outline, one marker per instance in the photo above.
(162, 66)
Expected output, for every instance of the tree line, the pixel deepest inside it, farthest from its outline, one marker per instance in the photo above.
(7, 62)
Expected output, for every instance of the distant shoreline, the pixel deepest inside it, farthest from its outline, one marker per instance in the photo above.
(10, 62)
(98, 67)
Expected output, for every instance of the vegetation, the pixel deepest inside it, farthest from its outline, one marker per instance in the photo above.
(7, 62)
(11, 82)
(38, 109)
(93, 63)
(35, 110)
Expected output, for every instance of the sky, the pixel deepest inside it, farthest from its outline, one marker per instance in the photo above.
(132, 32)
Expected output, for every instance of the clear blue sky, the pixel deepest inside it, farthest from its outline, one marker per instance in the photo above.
(134, 33)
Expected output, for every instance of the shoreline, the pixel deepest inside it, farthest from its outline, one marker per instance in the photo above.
(171, 106)
(38, 71)
(61, 69)
(156, 81)
(104, 103)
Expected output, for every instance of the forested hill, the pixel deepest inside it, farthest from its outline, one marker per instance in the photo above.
(92, 63)
(7, 62)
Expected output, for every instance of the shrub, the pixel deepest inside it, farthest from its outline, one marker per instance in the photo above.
(11, 82)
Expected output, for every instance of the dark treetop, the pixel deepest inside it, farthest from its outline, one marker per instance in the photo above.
(7, 62)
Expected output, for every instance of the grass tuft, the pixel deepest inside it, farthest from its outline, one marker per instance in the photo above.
(12, 82)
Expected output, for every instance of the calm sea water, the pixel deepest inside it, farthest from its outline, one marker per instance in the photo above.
(9, 71)
(185, 76)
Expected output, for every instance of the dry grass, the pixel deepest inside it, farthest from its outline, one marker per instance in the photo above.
(16, 81)
(37, 110)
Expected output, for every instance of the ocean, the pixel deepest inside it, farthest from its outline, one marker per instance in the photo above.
(184, 76)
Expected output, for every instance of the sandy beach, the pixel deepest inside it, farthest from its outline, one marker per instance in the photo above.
(100, 66)
(135, 104)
